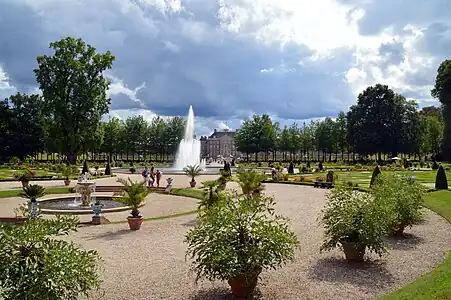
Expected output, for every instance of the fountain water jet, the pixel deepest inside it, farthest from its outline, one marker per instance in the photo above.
(189, 148)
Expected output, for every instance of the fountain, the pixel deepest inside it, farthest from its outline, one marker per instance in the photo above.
(189, 148)
(85, 187)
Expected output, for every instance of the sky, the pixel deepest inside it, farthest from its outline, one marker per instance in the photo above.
(292, 59)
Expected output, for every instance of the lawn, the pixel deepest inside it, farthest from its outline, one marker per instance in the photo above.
(17, 192)
(9, 173)
(436, 284)
(192, 193)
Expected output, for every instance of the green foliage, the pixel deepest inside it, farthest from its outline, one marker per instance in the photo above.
(250, 181)
(192, 171)
(69, 170)
(85, 167)
(442, 91)
(441, 182)
(74, 92)
(33, 192)
(132, 194)
(35, 264)
(132, 170)
(238, 237)
(256, 135)
(23, 176)
(212, 193)
(376, 172)
(330, 176)
(352, 216)
(402, 195)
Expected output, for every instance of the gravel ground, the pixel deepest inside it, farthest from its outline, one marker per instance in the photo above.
(150, 263)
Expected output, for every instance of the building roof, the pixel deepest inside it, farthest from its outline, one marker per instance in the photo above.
(219, 134)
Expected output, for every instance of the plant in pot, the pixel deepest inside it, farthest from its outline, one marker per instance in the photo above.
(132, 194)
(212, 192)
(403, 196)
(251, 182)
(24, 177)
(193, 172)
(67, 171)
(355, 222)
(32, 192)
(237, 238)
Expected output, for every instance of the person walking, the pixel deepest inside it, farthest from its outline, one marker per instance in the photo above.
(158, 175)
(145, 174)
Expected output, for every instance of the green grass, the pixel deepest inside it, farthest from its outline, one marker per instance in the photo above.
(192, 193)
(17, 192)
(436, 284)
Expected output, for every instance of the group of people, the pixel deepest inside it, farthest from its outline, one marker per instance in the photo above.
(151, 177)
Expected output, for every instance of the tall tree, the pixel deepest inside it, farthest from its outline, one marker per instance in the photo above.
(442, 91)
(341, 133)
(24, 124)
(74, 91)
(376, 122)
(112, 134)
(174, 134)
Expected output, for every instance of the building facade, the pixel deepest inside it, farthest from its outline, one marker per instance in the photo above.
(218, 144)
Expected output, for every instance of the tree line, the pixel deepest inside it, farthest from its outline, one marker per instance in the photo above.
(66, 119)
(382, 122)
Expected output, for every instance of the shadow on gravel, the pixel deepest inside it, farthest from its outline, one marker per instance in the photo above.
(369, 274)
(223, 294)
(111, 235)
(404, 242)
(191, 223)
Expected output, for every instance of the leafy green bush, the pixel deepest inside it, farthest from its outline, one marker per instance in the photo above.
(441, 182)
(239, 236)
(34, 265)
(23, 176)
(376, 172)
(251, 181)
(352, 216)
(108, 169)
(404, 198)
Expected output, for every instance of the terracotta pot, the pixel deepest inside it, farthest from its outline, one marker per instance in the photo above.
(134, 223)
(192, 183)
(398, 230)
(96, 220)
(25, 183)
(66, 182)
(241, 287)
(354, 252)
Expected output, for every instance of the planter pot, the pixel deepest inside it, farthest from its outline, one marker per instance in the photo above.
(66, 182)
(241, 287)
(398, 230)
(192, 183)
(96, 220)
(25, 183)
(134, 223)
(354, 252)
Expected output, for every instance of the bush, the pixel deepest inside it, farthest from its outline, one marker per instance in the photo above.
(132, 170)
(34, 264)
(434, 165)
(441, 182)
(376, 172)
(237, 236)
(291, 168)
(330, 176)
(352, 216)
(404, 198)
(85, 168)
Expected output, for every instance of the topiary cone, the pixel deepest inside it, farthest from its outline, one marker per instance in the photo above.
(441, 182)
(376, 172)
(85, 168)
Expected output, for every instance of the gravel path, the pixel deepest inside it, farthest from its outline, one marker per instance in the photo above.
(150, 263)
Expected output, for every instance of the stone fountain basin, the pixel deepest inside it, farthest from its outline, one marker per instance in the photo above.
(53, 206)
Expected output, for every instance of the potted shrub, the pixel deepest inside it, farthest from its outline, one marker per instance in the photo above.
(355, 222)
(35, 251)
(237, 238)
(403, 196)
(32, 192)
(212, 191)
(441, 182)
(67, 171)
(23, 177)
(251, 181)
(132, 194)
(132, 170)
(193, 172)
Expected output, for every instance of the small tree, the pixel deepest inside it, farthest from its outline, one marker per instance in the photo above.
(212, 193)
(404, 198)
(376, 172)
(35, 265)
(441, 182)
(33, 192)
(250, 181)
(291, 168)
(132, 194)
